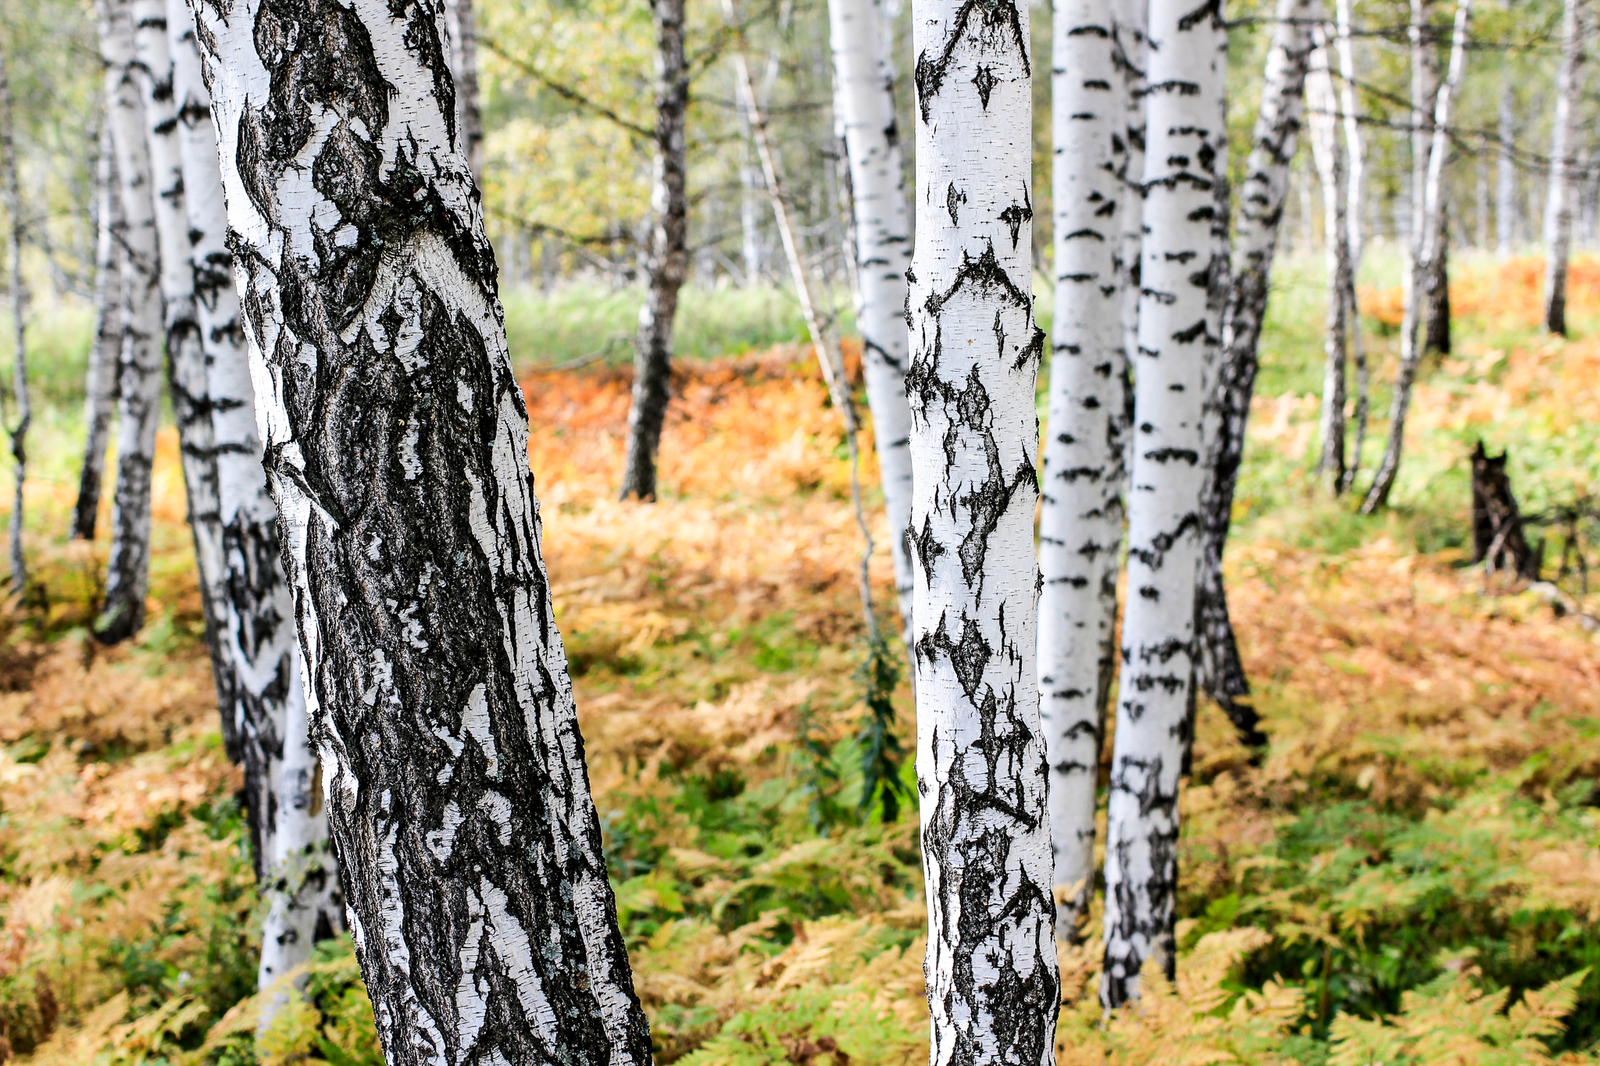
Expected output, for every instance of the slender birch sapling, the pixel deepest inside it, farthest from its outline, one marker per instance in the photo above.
(991, 972)
(1080, 524)
(1563, 138)
(396, 443)
(1180, 329)
(16, 430)
(100, 378)
(1328, 156)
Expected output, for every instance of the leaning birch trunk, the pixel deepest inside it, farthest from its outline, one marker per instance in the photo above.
(100, 380)
(992, 982)
(864, 104)
(669, 255)
(1325, 115)
(139, 362)
(1220, 672)
(266, 712)
(1431, 221)
(18, 430)
(1180, 328)
(1558, 201)
(1080, 523)
(396, 444)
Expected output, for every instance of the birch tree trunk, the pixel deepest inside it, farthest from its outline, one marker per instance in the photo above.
(462, 22)
(1180, 327)
(1431, 222)
(669, 255)
(396, 444)
(265, 711)
(18, 430)
(1220, 672)
(1436, 298)
(1325, 118)
(100, 381)
(863, 81)
(1131, 51)
(1558, 201)
(139, 362)
(1080, 525)
(1355, 197)
(991, 969)
(1505, 192)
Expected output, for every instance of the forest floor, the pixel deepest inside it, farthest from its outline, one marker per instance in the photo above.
(1410, 873)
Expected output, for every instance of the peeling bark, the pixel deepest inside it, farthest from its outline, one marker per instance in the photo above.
(139, 359)
(669, 255)
(396, 445)
(1558, 201)
(263, 708)
(1261, 200)
(991, 968)
(1080, 526)
(1180, 330)
(864, 103)
(100, 381)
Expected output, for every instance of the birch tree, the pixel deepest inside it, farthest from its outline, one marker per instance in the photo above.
(1180, 330)
(17, 430)
(864, 103)
(264, 707)
(669, 255)
(1260, 215)
(100, 378)
(1431, 224)
(1355, 197)
(1558, 201)
(992, 982)
(1505, 189)
(139, 361)
(396, 443)
(1080, 524)
(1327, 152)
(462, 23)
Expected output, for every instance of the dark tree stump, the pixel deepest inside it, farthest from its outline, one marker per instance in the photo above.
(1497, 537)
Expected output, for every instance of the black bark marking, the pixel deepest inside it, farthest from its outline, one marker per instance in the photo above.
(995, 18)
(952, 201)
(985, 81)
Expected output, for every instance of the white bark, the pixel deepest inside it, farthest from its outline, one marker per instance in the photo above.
(266, 707)
(100, 380)
(1325, 115)
(396, 442)
(1080, 526)
(991, 968)
(864, 106)
(1180, 331)
(1563, 137)
(1431, 222)
(139, 362)
(1355, 197)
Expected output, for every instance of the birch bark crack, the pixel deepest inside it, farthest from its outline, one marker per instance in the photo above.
(396, 443)
(991, 974)
(1180, 329)
(1080, 525)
